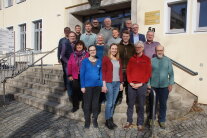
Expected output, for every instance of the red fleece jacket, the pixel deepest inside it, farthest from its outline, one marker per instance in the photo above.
(139, 69)
(107, 70)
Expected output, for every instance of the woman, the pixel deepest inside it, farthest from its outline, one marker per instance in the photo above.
(91, 85)
(101, 48)
(112, 76)
(74, 64)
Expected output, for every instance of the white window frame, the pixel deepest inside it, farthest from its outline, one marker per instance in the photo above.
(37, 47)
(197, 28)
(24, 46)
(10, 28)
(19, 1)
(8, 3)
(167, 17)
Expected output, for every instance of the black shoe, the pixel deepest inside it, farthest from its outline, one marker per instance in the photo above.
(109, 125)
(95, 123)
(87, 124)
(112, 122)
(74, 110)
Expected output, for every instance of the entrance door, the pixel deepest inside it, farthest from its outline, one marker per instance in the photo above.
(118, 17)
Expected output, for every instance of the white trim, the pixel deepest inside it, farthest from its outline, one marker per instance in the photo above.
(196, 14)
(7, 4)
(167, 13)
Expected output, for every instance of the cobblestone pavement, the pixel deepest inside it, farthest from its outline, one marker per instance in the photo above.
(21, 120)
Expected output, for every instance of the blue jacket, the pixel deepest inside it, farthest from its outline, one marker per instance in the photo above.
(66, 51)
(60, 44)
(91, 74)
(141, 38)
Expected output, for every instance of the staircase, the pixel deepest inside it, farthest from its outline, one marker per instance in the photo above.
(50, 96)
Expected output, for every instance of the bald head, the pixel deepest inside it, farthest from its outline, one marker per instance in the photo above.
(159, 51)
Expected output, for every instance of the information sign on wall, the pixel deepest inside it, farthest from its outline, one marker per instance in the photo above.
(152, 17)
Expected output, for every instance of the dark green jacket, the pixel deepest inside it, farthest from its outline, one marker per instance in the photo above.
(125, 53)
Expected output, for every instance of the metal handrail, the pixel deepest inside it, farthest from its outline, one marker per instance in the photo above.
(184, 68)
(13, 53)
(24, 69)
(153, 110)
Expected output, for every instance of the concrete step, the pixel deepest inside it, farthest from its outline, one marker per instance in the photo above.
(42, 104)
(49, 82)
(45, 88)
(58, 77)
(50, 70)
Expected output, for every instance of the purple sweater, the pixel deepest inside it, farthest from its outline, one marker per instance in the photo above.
(73, 69)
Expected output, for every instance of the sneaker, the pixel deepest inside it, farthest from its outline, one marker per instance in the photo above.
(162, 125)
(128, 125)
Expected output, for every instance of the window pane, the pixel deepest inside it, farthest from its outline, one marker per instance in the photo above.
(202, 15)
(178, 15)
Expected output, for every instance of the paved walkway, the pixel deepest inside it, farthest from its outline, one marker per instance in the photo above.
(20, 120)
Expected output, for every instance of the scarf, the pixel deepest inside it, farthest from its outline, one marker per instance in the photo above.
(79, 56)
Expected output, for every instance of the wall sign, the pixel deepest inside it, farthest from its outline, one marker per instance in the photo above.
(152, 17)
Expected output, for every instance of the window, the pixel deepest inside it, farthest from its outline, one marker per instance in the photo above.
(19, 1)
(177, 17)
(0, 4)
(22, 36)
(10, 28)
(38, 35)
(201, 15)
(8, 3)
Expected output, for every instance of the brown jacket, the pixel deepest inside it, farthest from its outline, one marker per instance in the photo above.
(126, 52)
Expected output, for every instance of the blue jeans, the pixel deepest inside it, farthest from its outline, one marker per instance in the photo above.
(111, 96)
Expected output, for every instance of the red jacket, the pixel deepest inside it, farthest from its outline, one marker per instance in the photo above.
(139, 69)
(107, 70)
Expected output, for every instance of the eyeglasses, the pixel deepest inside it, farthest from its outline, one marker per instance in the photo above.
(92, 50)
(95, 22)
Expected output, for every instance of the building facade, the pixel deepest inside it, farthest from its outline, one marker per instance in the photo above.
(180, 26)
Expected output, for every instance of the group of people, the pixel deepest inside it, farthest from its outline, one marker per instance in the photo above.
(102, 62)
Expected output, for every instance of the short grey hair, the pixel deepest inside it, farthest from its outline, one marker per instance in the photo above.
(139, 43)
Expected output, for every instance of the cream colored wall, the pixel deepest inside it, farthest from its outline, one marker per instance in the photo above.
(54, 19)
(188, 48)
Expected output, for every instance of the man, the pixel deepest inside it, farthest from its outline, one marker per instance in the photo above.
(95, 28)
(128, 26)
(161, 81)
(106, 31)
(67, 49)
(138, 74)
(126, 51)
(150, 44)
(88, 37)
(66, 32)
(115, 37)
(78, 31)
(135, 35)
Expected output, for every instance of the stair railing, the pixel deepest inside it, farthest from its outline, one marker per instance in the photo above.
(184, 68)
(18, 62)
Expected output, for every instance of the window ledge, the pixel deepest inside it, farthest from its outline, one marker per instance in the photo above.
(203, 29)
(20, 1)
(177, 32)
(8, 6)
